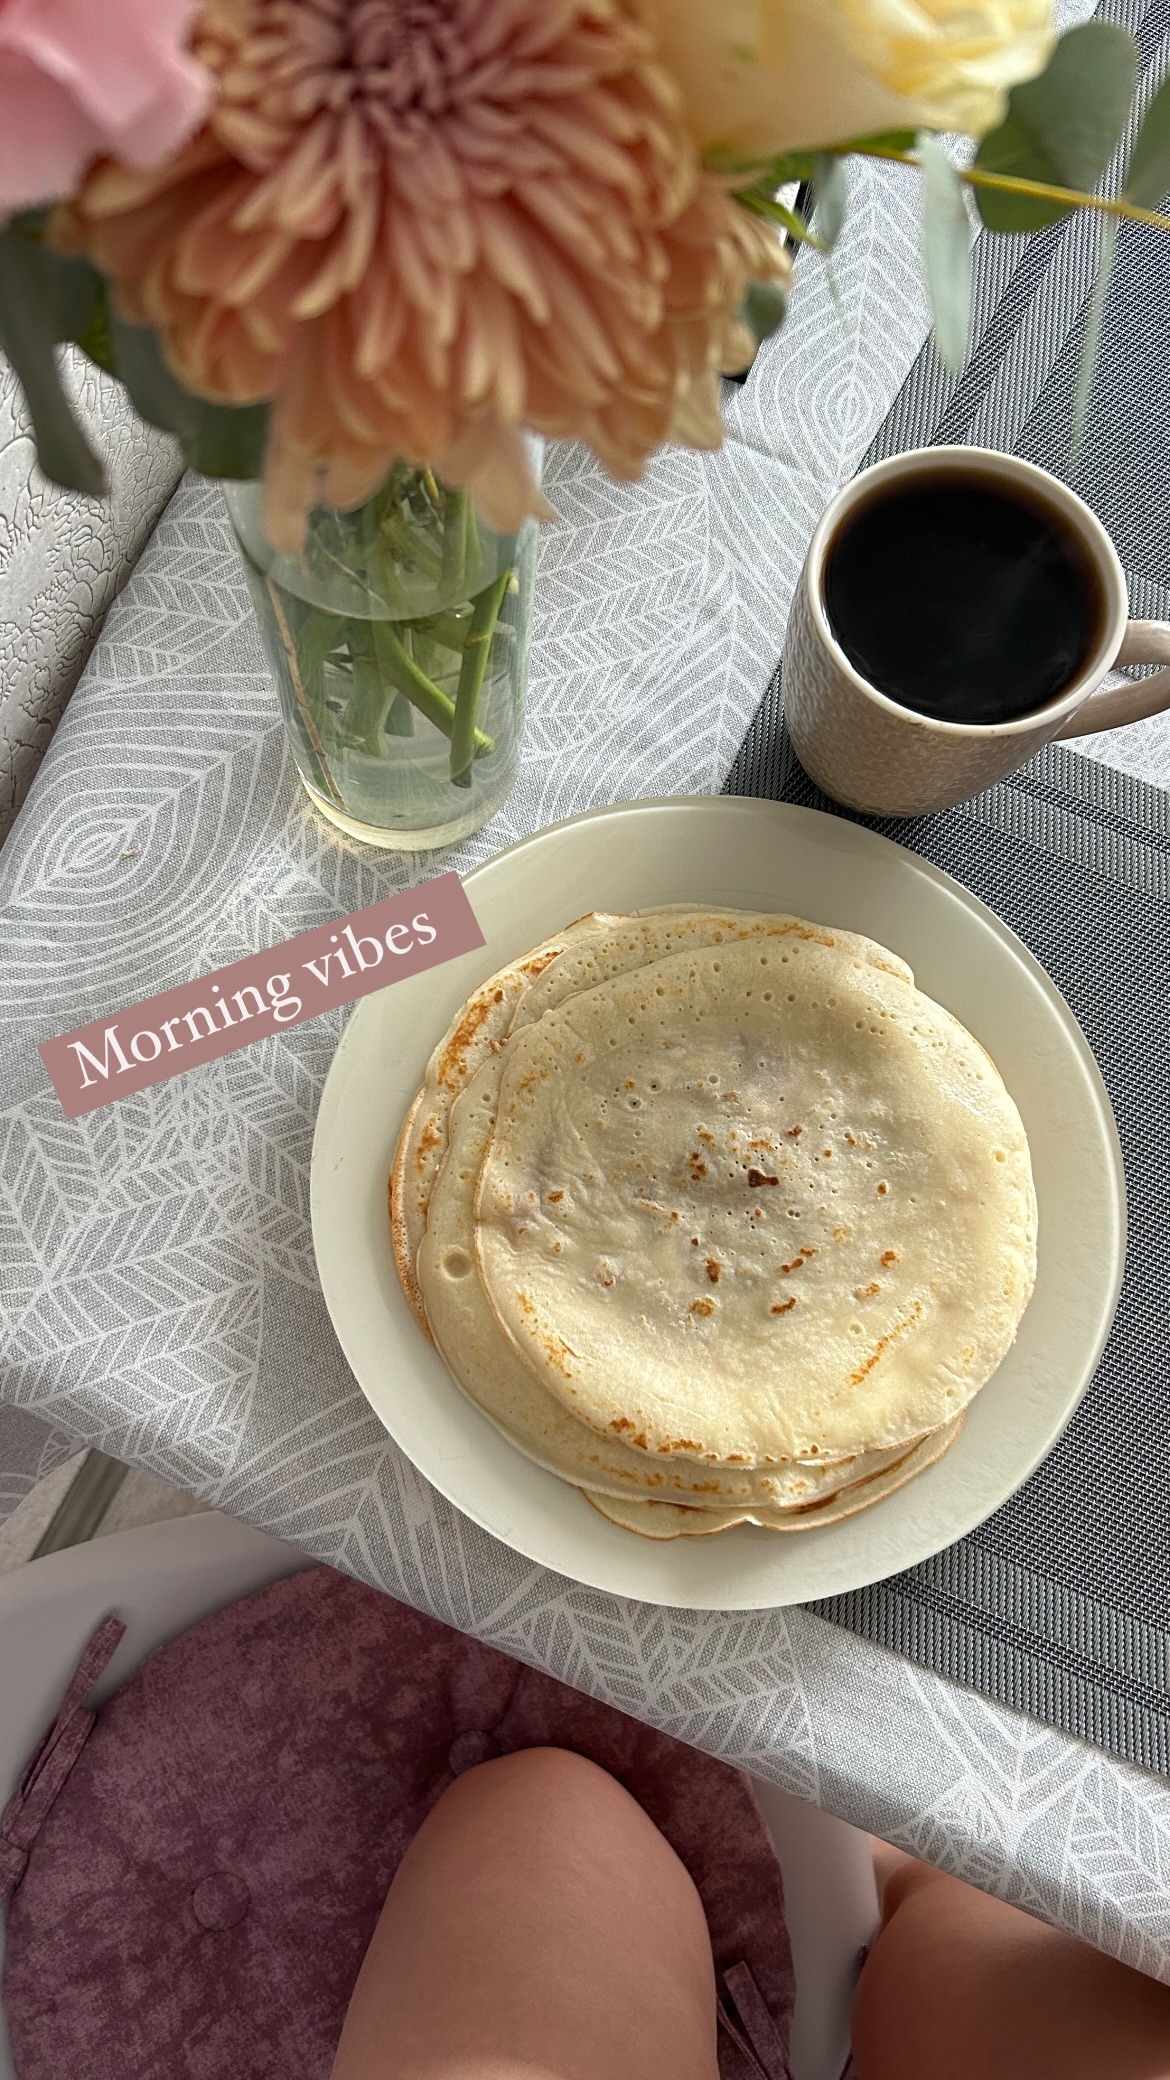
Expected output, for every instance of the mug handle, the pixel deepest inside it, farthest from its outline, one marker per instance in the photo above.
(1144, 642)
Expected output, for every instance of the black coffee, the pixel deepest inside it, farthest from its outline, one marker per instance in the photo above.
(964, 603)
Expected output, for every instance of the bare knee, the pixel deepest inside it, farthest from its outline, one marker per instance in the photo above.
(541, 1779)
(552, 1774)
(543, 1788)
(900, 1875)
(550, 1802)
(962, 1984)
(538, 1914)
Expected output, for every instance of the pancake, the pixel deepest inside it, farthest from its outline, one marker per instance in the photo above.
(490, 1370)
(627, 943)
(669, 1520)
(754, 1203)
(590, 950)
(477, 1029)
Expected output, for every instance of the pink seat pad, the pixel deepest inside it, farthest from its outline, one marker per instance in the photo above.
(199, 1896)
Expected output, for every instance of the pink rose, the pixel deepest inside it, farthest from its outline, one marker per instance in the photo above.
(80, 77)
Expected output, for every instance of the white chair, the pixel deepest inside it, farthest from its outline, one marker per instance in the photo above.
(164, 1577)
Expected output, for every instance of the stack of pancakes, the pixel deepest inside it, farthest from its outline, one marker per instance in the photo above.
(716, 1216)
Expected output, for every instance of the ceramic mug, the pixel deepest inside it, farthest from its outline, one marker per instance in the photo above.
(872, 754)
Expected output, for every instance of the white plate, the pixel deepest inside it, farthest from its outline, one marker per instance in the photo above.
(757, 856)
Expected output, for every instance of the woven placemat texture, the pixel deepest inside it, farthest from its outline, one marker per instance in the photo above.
(1060, 1605)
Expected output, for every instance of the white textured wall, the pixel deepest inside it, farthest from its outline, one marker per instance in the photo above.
(63, 557)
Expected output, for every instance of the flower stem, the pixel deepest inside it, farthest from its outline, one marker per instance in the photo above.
(454, 542)
(471, 676)
(302, 699)
(471, 543)
(410, 679)
(375, 705)
(449, 630)
(1045, 191)
(404, 538)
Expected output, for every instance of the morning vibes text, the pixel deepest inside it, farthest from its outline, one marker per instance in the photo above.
(234, 1006)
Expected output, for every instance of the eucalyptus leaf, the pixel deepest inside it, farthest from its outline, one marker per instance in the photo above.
(38, 292)
(946, 238)
(218, 440)
(1148, 178)
(831, 196)
(1060, 128)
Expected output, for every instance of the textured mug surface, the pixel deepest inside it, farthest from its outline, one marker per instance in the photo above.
(869, 752)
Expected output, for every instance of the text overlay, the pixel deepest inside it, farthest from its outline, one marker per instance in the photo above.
(238, 1005)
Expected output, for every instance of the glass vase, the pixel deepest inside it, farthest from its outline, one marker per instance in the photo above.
(399, 640)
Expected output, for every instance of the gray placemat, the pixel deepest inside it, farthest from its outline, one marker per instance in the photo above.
(1060, 1604)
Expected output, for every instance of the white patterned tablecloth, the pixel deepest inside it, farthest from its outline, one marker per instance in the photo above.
(158, 1275)
(63, 558)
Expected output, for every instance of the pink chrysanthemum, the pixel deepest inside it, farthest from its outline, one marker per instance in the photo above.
(421, 225)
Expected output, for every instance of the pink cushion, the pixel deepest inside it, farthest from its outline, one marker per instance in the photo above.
(200, 1893)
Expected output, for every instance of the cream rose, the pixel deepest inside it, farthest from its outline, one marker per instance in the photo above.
(783, 75)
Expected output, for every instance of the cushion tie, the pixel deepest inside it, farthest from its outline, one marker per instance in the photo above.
(751, 2027)
(54, 1758)
(166, 1882)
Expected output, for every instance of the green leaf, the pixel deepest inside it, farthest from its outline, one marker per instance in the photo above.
(229, 439)
(70, 290)
(218, 440)
(880, 145)
(93, 336)
(1148, 178)
(38, 291)
(771, 173)
(319, 634)
(156, 394)
(766, 205)
(801, 166)
(946, 237)
(764, 308)
(831, 199)
(46, 297)
(1062, 127)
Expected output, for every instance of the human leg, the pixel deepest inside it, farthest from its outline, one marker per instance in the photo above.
(958, 1986)
(538, 1928)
